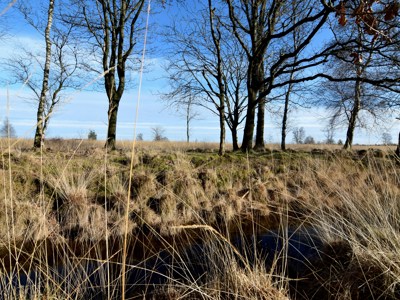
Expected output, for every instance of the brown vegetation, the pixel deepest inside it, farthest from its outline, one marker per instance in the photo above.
(73, 202)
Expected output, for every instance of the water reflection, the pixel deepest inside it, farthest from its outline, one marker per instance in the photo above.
(291, 253)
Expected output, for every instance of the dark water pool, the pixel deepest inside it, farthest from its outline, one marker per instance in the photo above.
(292, 252)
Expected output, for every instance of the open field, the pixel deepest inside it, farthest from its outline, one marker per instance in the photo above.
(80, 223)
(80, 145)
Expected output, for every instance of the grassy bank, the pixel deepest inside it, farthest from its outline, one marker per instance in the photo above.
(73, 205)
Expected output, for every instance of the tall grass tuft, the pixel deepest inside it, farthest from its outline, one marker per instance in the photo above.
(63, 222)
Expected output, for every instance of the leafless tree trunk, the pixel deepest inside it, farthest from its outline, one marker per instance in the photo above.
(398, 143)
(216, 38)
(360, 70)
(296, 37)
(286, 113)
(353, 115)
(190, 115)
(59, 67)
(236, 99)
(109, 28)
(188, 124)
(7, 129)
(259, 27)
(361, 57)
(40, 125)
(260, 144)
(256, 14)
(299, 135)
(234, 117)
(114, 58)
(200, 62)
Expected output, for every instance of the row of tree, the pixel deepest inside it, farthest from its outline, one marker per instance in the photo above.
(236, 57)
(233, 57)
(83, 39)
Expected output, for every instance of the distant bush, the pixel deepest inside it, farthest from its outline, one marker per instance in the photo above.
(7, 130)
(309, 140)
(92, 135)
(158, 134)
(330, 141)
(387, 138)
(298, 135)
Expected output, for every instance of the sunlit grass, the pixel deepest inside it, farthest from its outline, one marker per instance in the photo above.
(65, 208)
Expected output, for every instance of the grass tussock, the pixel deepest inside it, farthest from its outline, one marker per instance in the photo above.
(66, 208)
(363, 233)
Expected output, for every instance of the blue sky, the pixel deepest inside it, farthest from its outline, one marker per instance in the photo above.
(87, 110)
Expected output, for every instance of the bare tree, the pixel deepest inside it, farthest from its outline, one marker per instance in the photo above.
(309, 140)
(355, 102)
(190, 116)
(7, 130)
(218, 76)
(386, 138)
(184, 105)
(364, 74)
(189, 113)
(5, 6)
(158, 134)
(58, 64)
(285, 115)
(299, 135)
(203, 64)
(109, 31)
(293, 41)
(40, 126)
(260, 27)
(398, 143)
(236, 100)
(329, 135)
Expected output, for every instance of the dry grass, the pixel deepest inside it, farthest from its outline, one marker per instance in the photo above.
(67, 145)
(365, 225)
(66, 206)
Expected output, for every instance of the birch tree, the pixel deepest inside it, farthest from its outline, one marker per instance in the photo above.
(57, 64)
(40, 125)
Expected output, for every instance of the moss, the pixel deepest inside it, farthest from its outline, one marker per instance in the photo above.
(121, 160)
(199, 159)
(159, 163)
